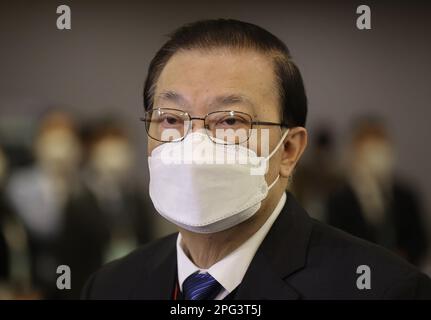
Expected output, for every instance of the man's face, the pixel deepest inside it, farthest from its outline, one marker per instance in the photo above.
(202, 78)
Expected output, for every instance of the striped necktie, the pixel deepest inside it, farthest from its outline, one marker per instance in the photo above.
(201, 286)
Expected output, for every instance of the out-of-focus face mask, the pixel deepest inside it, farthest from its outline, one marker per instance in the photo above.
(112, 158)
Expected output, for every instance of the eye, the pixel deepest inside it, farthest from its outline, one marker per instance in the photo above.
(169, 120)
(232, 121)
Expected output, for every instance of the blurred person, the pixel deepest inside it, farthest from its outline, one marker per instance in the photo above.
(373, 203)
(14, 275)
(319, 175)
(241, 234)
(58, 213)
(4, 211)
(109, 176)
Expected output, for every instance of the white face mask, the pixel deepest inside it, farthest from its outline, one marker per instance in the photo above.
(207, 196)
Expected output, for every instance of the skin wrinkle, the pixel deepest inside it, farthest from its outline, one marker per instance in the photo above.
(222, 102)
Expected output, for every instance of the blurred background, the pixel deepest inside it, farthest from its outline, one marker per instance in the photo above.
(73, 163)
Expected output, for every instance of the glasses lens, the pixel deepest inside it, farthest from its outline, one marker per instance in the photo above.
(229, 127)
(166, 125)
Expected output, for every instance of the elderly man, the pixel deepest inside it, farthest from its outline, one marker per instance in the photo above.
(225, 115)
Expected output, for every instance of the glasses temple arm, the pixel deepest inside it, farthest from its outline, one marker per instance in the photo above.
(265, 123)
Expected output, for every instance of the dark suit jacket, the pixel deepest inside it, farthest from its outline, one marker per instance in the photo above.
(300, 258)
(402, 229)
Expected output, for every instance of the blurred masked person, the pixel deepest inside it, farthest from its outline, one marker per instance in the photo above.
(319, 175)
(60, 216)
(373, 204)
(109, 176)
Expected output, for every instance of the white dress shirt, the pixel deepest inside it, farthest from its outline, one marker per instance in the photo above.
(230, 270)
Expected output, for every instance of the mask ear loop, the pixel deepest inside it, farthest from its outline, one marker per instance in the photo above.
(273, 152)
(274, 182)
(278, 144)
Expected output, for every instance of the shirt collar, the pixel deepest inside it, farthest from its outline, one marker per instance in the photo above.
(230, 270)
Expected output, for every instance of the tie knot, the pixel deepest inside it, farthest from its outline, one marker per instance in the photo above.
(201, 286)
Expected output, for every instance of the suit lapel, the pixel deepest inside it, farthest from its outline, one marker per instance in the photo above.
(262, 283)
(283, 252)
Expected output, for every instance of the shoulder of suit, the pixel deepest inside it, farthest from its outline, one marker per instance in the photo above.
(339, 255)
(146, 254)
(120, 275)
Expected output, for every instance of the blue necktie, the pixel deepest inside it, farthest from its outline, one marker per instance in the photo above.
(201, 286)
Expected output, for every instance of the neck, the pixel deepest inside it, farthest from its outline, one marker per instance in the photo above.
(207, 249)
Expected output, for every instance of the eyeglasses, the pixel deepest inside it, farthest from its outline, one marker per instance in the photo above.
(225, 127)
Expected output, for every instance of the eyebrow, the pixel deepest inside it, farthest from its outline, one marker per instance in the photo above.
(218, 101)
(173, 97)
(231, 99)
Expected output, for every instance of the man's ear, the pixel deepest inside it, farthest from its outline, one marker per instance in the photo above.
(293, 148)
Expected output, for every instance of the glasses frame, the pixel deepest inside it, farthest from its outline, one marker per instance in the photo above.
(257, 123)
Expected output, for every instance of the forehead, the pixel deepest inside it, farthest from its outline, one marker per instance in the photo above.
(204, 77)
